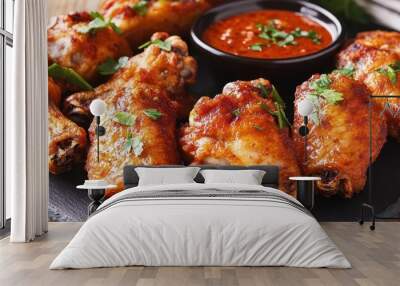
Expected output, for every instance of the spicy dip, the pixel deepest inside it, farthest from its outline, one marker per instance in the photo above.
(268, 34)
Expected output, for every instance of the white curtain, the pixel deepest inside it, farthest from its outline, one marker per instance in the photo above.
(26, 123)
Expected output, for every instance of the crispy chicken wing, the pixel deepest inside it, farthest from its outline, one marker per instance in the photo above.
(71, 46)
(67, 141)
(140, 121)
(170, 70)
(237, 128)
(376, 58)
(139, 19)
(338, 140)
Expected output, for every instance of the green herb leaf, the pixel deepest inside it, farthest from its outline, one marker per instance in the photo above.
(258, 47)
(124, 118)
(288, 41)
(111, 66)
(134, 143)
(321, 90)
(346, 71)
(276, 97)
(391, 71)
(140, 7)
(163, 45)
(137, 146)
(152, 113)
(95, 14)
(331, 96)
(280, 115)
(98, 22)
(69, 75)
(264, 91)
(236, 112)
(281, 38)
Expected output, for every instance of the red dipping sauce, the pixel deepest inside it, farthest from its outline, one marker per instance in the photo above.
(268, 34)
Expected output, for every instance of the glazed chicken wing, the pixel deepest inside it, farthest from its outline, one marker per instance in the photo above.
(139, 19)
(67, 141)
(71, 44)
(338, 140)
(375, 57)
(140, 120)
(238, 127)
(169, 69)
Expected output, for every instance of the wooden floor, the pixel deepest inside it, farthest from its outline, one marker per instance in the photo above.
(375, 257)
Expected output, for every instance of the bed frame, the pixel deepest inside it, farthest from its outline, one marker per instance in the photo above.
(271, 178)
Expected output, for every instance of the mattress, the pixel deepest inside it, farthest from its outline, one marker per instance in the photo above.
(201, 225)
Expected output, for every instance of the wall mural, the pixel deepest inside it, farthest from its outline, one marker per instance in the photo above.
(169, 103)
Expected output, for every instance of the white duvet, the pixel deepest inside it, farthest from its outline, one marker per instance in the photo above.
(200, 231)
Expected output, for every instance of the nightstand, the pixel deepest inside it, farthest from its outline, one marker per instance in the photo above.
(96, 193)
(305, 190)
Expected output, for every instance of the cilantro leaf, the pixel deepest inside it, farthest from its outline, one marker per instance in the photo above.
(124, 118)
(152, 113)
(391, 71)
(163, 45)
(137, 146)
(346, 71)
(331, 96)
(111, 66)
(322, 90)
(98, 22)
(140, 7)
(258, 47)
(134, 143)
(281, 38)
(69, 75)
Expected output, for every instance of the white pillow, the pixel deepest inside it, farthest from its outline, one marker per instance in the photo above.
(248, 177)
(165, 176)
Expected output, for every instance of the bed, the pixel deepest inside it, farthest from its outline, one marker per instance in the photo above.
(198, 224)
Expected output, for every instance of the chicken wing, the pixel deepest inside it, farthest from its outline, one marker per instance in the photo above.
(139, 19)
(239, 127)
(168, 68)
(72, 44)
(375, 56)
(67, 141)
(338, 140)
(140, 120)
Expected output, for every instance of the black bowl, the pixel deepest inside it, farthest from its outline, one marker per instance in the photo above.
(229, 67)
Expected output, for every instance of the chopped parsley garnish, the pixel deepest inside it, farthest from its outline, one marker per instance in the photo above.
(111, 66)
(390, 71)
(152, 113)
(140, 7)
(346, 71)
(98, 22)
(322, 91)
(124, 118)
(163, 45)
(279, 112)
(258, 47)
(271, 33)
(134, 143)
(236, 112)
(69, 75)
